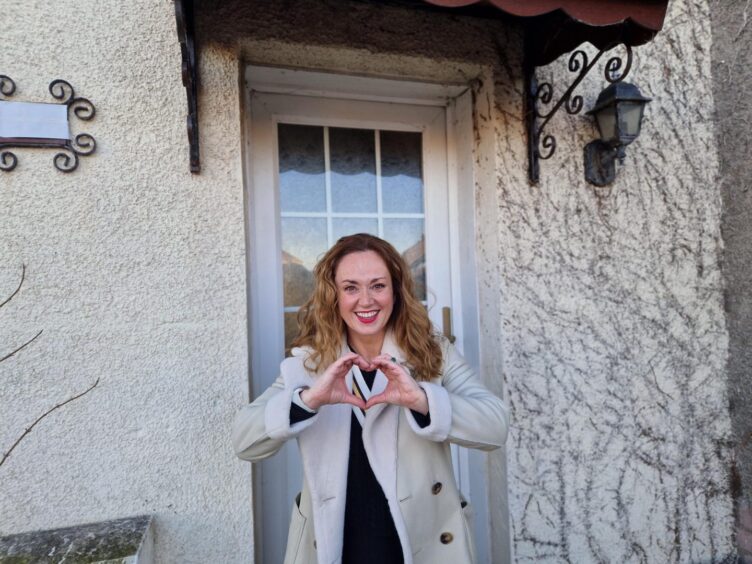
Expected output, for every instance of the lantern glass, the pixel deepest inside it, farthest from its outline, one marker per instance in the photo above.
(606, 119)
(630, 114)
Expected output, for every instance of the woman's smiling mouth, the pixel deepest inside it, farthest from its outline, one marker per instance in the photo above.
(366, 316)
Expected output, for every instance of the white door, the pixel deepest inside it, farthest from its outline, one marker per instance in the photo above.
(321, 168)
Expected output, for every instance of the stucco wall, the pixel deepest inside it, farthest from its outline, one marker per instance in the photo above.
(732, 53)
(135, 272)
(613, 328)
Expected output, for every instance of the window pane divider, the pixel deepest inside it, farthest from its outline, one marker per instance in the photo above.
(354, 215)
(328, 177)
(379, 202)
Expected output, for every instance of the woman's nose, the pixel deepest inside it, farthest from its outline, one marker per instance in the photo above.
(365, 296)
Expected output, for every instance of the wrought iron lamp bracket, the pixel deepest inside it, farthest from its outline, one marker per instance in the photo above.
(187, 38)
(542, 146)
(71, 148)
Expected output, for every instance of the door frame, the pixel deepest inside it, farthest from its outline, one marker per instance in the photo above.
(457, 100)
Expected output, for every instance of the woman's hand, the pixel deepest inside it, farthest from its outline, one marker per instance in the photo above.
(331, 388)
(401, 388)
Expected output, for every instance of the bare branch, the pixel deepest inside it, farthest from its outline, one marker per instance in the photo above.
(7, 356)
(45, 414)
(23, 276)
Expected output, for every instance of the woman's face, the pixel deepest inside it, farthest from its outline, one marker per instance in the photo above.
(364, 293)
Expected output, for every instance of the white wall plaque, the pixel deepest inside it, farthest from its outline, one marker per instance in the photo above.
(31, 120)
(44, 126)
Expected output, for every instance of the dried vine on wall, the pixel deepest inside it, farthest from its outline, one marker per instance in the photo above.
(7, 356)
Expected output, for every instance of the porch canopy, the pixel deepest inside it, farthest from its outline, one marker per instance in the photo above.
(555, 27)
(552, 28)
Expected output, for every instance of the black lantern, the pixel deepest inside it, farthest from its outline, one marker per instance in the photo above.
(618, 113)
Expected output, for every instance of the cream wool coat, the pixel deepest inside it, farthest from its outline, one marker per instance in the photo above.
(413, 465)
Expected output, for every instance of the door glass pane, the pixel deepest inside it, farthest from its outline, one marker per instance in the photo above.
(302, 182)
(401, 172)
(407, 237)
(291, 328)
(342, 226)
(303, 241)
(353, 165)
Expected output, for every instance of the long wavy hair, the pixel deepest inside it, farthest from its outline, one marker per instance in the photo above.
(322, 327)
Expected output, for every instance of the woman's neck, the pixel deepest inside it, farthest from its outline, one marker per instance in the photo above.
(366, 346)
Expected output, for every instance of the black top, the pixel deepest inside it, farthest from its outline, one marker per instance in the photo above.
(369, 536)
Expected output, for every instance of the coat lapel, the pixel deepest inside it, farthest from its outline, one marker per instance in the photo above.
(380, 442)
(324, 450)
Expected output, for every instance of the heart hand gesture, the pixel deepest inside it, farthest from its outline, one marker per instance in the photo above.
(401, 388)
(331, 388)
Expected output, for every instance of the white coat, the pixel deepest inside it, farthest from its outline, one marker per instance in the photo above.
(413, 465)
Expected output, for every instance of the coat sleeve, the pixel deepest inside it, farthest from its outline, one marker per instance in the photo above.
(261, 428)
(462, 409)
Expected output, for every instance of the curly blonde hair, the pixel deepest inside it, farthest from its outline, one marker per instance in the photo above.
(322, 327)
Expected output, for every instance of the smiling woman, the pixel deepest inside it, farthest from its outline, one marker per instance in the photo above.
(374, 397)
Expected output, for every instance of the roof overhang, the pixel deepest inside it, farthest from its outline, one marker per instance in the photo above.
(552, 28)
(555, 27)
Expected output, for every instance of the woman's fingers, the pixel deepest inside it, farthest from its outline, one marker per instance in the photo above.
(354, 400)
(390, 367)
(363, 364)
(332, 385)
(376, 399)
(340, 367)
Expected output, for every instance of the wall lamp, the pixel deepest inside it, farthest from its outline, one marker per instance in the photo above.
(618, 114)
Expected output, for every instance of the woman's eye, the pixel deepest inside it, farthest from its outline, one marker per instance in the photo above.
(379, 286)
(350, 289)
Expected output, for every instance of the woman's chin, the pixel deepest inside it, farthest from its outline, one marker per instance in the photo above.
(361, 329)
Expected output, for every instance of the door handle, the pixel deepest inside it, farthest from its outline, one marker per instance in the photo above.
(446, 316)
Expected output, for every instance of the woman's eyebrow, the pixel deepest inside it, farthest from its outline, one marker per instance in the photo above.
(358, 282)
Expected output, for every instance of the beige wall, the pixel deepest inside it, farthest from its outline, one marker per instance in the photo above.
(135, 272)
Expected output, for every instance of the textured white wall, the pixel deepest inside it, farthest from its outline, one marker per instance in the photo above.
(136, 275)
(613, 327)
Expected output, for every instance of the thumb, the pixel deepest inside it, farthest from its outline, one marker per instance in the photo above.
(354, 400)
(378, 398)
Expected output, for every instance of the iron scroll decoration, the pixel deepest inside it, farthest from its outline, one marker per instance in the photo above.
(8, 160)
(540, 146)
(67, 159)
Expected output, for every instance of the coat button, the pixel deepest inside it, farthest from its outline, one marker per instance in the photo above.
(446, 538)
(436, 488)
(314, 544)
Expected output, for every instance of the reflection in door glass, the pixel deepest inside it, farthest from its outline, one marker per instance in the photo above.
(407, 237)
(302, 186)
(303, 242)
(342, 226)
(353, 170)
(401, 172)
(337, 181)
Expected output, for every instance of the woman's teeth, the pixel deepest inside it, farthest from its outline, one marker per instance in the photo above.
(367, 314)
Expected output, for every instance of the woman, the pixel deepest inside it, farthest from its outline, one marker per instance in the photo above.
(374, 397)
